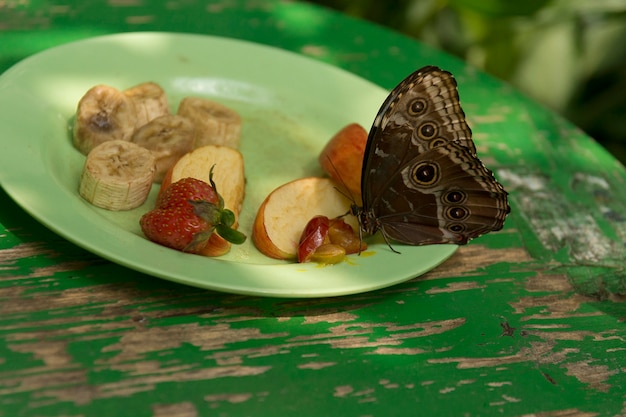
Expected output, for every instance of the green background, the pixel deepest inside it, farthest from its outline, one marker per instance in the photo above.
(569, 55)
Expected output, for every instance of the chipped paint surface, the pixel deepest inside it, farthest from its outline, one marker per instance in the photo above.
(127, 341)
(529, 321)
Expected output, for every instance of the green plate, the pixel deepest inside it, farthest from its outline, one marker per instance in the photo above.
(290, 105)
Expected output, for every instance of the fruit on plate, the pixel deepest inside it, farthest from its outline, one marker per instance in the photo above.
(187, 214)
(285, 212)
(117, 175)
(103, 113)
(328, 241)
(329, 254)
(343, 234)
(228, 172)
(216, 123)
(150, 102)
(222, 165)
(314, 235)
(169, 137)
(342, 158)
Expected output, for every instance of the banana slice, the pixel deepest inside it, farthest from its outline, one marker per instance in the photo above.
(169, 138)
(117, 175)
(103, 114)
(216, 123)
(150, 101)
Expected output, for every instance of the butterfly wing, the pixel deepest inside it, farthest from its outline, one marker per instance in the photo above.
(422, 112)
(445, 195)
(421, 129)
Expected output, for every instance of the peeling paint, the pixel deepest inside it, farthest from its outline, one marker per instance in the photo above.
(456, 286)
(593, 375)
(316, 365)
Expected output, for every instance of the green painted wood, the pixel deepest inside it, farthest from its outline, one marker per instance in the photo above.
(527, 321)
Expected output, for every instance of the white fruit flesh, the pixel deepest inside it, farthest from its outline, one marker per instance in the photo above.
(216, 123)
(117, 175)
(103, 114)
(150, 102)
(228, 172)
(169, 137)
(288, 209)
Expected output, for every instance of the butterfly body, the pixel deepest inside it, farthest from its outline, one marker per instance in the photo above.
(421, 181)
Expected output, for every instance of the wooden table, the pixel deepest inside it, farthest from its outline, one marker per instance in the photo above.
(527, 321)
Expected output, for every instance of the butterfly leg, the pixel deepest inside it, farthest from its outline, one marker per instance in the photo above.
(389, 243)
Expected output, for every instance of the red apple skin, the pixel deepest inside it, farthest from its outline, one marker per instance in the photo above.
(167, 181)
(314, 235)
(342, 158)
(262, 240)
(328, 241)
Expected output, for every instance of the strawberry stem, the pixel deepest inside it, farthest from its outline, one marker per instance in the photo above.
(221, 219)
(212, 183)
(210, 212)
(227, 217)
(234, 236)
(199, 240)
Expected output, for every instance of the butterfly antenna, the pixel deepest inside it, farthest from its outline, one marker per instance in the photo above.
(347, 194)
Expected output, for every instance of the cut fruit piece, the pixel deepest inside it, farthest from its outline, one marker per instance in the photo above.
(342, 158)
(329, 254)
(150, 102)
(284, 214)
(314, 235)
(228, 174)
(169, 137)
(117, 175)
(229, 179)
(216, 123)
(103, 114)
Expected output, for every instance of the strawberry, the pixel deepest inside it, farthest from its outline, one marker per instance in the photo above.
(186, 215)
(187, 189)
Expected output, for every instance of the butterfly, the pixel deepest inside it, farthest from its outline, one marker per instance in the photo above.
(421, 181)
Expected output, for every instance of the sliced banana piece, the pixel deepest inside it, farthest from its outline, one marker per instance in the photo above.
(103, 113)
(150, 101)
(216, 123)
(117, 175)
(169, 138)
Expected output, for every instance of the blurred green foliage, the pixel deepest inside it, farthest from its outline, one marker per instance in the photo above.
(569, 55)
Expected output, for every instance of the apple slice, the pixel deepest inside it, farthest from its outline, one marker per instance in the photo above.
(342, 158)
(228, 176)
(284, 214)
